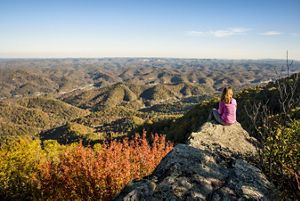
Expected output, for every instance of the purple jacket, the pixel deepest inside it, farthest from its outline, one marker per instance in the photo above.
(228, 111)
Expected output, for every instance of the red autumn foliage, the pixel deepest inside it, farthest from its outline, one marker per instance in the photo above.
(86, 174)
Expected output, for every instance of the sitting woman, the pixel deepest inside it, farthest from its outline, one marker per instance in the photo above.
(226, 114)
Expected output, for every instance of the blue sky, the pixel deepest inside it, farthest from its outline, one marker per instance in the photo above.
(150, 28)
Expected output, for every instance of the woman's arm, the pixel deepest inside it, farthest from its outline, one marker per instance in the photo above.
(233, 101)
(221, 108)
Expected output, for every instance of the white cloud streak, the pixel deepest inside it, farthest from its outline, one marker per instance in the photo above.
(220, 33)
(271, 33)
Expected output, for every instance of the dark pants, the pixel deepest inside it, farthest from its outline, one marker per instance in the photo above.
(216, 116)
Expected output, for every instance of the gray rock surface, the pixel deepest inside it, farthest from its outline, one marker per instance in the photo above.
(211, 166)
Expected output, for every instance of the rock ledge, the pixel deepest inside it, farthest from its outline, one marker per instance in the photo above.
(211, 166)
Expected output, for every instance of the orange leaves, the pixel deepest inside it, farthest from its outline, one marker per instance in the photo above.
(87, 174)
(73, 172)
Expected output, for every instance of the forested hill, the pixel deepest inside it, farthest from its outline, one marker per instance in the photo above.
(33, 77)
(28, 116)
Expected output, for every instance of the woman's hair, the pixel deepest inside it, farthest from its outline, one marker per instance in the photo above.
(227, 95)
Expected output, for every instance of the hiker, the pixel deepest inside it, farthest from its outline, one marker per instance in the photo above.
(226, 114)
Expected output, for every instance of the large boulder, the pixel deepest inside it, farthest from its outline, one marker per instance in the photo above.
(232, 138)
(213, 165)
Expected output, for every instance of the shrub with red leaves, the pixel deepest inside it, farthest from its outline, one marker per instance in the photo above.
(100, 174)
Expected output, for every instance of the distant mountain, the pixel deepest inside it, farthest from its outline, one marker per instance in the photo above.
(34, 77)
(119, 94)
(71, 132)
(135, 96)
(31, 115)
(101, 98)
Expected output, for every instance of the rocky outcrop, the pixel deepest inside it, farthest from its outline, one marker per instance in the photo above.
(213, 165)
(216, 137)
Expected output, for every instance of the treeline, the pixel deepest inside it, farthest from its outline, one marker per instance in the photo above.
(31, 169)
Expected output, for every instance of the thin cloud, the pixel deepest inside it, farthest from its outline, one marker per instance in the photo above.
(196, 33)
(271, 33)
(220, 33)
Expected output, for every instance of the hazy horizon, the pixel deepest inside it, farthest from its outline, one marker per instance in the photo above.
(144, 29)
(136, 57)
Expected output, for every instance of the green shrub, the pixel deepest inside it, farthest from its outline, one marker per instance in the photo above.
(281, 157)
(19, 164)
